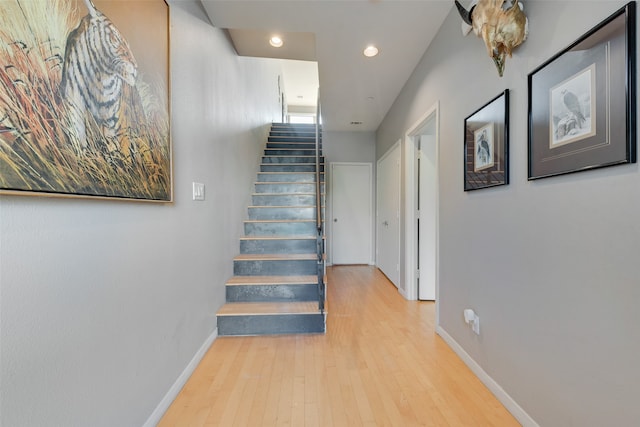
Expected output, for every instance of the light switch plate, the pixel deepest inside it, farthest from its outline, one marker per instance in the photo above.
(198, 191)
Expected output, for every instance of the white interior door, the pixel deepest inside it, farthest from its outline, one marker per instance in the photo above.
(421, 208)
(388, 214)
(351, 220)
(427, 180)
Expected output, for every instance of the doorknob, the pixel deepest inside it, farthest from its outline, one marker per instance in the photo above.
(335, 219)
(385, 223)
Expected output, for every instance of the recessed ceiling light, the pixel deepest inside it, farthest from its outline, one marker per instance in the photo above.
(276, 41)
(370, 51)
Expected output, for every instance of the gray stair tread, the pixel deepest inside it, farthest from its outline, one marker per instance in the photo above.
(281, 220)
(289, 173)
(283, 194)
(285, 183)
(275, 257)
(280, 237)
(271, 280)
(267, 308)
(284, 206)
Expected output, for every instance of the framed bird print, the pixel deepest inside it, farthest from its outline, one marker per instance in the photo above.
(582, 101)
(84, 99)
(486, 145)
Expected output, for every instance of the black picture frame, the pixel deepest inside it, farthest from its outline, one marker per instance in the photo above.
(582, 101)
(486, 145)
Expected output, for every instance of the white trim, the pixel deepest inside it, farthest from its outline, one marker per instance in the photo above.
(173, 392)
(432, 114)
(511, 405)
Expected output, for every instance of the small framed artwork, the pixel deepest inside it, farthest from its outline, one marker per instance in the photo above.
(486, 145)
(84, 99)
(582, 102)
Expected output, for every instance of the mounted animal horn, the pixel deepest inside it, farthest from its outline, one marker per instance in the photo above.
(464, 13)
(502, 25)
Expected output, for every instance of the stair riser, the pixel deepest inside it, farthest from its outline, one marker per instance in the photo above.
(275, 268)
(291, 159)
(279, 167)
(297, 128)
(280, 228)
(284, 213)
(306, 139)
(289, 177)
(278, 246)
(304, 133)
(272, 293)
(271, 325)
(284, 200)
(306, 126)
(289, 152)
(291, 188)
(294, 145)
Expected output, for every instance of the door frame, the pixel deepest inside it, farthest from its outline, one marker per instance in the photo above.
(370, 218)
(397, 145)
(430, 120)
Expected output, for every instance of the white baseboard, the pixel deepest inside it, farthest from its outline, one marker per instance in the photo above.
(168, 399)
(508, 402)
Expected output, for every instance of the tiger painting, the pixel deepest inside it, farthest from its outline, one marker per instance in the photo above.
(80, 115)
(98, 63)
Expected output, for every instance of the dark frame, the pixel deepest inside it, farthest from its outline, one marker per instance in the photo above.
(486, 145)
(582, 101)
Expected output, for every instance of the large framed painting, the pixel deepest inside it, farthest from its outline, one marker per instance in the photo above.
(84, 98)
(486, 145)
(582, 101)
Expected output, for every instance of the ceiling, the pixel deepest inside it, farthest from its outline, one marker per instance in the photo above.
(353, 88)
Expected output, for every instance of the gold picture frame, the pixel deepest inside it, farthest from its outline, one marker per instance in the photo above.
(84, 99)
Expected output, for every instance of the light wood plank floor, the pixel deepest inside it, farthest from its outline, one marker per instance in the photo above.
(379, 364)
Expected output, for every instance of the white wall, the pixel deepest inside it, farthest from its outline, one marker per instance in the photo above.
(357, 147)
(349, 146)
(104, 303)
(551, 266)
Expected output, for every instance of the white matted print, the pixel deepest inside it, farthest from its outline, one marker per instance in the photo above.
(484, 147)
(573, 108)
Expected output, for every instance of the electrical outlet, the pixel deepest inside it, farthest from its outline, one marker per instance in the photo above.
(472, 319)
(198, 191)
(475, 325)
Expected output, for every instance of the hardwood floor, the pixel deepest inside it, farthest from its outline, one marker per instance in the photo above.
(379, 364)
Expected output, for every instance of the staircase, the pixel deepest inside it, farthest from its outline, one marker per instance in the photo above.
(275, 287)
